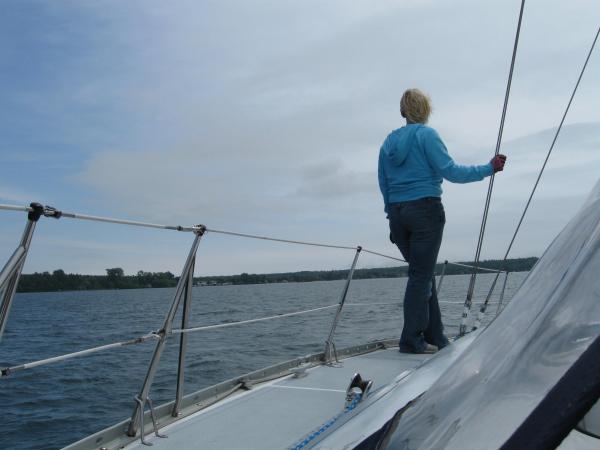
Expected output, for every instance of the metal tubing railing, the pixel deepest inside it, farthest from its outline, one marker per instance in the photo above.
(12, 270)
(129, 222)
(183, 340)
(164, 333)
(330, 353)
(11, 265)
(16, 208)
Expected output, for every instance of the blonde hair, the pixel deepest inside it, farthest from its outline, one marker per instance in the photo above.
(415, 106)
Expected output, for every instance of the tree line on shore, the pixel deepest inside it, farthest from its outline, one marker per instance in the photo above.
(115, 278)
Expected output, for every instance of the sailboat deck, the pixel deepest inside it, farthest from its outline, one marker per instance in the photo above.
(275, 409)
(278, 413)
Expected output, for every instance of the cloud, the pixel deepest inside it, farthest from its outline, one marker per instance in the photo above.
(330, 180)
(344, 203)
(268, 117)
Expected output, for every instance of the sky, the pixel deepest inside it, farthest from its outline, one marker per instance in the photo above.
(266, 117)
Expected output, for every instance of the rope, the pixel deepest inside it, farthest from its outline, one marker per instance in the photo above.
(323, 428)
(42, 362)
(469, 299)
(231, 324)
(560, 125)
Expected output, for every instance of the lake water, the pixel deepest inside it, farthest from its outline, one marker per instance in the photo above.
(51, 406)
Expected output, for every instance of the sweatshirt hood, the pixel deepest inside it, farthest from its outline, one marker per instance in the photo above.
(399, 142)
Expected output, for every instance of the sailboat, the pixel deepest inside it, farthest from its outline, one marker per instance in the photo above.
(529, 379)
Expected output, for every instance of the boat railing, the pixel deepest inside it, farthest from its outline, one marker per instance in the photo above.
(10, 274)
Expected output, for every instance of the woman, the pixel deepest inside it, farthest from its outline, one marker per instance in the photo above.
(413, 161)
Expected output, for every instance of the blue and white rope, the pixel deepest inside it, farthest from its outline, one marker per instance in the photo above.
(323, 428)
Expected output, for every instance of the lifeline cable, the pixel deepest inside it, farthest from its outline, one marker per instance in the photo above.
(5, 371)
(241, 322)
(52, 212)
(287, 241)
(383, 255)
(512, 241)
(469, 299)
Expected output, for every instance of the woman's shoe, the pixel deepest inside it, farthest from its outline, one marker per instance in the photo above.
(446, 344)
(428, 349)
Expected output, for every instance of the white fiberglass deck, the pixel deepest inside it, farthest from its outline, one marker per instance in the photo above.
(276, 414)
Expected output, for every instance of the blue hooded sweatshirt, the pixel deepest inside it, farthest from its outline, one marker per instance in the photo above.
(413, 161)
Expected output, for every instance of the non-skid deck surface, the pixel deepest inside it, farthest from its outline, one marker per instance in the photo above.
(279, 413)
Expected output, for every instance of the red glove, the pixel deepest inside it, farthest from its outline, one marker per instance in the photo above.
(498, 162)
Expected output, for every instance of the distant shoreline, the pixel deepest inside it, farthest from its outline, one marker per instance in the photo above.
(115, 278)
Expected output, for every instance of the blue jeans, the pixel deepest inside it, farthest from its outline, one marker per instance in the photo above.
(417, 227)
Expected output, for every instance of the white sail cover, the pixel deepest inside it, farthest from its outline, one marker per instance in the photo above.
(514, 367)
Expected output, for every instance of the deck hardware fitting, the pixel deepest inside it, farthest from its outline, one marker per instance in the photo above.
(141, 419)
(153, 416)
(246, 384)
(300, 371)
(358, 388)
